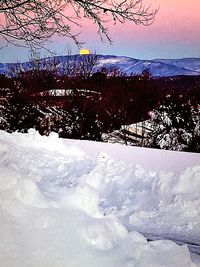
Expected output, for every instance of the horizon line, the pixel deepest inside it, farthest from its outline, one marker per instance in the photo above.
(110, 55)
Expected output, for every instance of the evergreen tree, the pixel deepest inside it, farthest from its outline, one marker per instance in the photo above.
(18, 114)
(176, 126)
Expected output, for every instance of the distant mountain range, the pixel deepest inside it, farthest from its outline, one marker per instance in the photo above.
(128, 65)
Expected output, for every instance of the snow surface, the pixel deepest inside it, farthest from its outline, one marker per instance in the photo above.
(66, 203)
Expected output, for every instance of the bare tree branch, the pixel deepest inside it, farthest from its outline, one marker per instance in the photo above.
(35, 21)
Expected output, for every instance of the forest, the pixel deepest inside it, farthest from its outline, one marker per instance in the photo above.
(77, 102)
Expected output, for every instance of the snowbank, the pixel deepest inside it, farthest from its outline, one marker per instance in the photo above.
(61, 207)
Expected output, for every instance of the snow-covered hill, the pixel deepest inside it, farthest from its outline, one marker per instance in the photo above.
(75, 203)
(161, 68)
(186, 63)
(128, 65)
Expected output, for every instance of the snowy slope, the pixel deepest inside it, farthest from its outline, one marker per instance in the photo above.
(68, 203)
(128, 65)
(186, 63)
(162, 68)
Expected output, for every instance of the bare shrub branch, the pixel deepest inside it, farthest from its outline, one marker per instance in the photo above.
(35, 21)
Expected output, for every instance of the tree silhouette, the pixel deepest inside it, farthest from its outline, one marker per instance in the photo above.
(35, 21)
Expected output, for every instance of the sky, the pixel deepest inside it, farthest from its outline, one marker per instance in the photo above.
(175, 33)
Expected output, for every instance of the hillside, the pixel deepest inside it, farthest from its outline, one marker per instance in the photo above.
(128, 65)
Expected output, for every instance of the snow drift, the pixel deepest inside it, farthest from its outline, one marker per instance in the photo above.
(62, 206)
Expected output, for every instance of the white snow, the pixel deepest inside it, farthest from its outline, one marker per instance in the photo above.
(66, 92)
(69, 203)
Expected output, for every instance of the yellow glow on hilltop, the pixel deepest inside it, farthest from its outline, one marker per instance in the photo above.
(84, 52)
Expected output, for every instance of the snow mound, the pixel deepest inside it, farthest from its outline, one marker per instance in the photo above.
(60, 207)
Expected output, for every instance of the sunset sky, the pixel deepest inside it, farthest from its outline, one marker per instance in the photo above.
(174, 34)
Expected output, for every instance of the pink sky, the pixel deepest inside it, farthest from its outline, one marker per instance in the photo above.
(174, 34)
